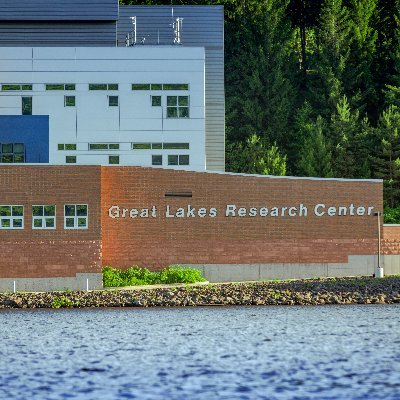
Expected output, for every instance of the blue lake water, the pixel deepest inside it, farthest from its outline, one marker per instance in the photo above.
(328, 352)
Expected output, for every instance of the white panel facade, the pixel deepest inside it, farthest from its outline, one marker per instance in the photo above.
(117, 116)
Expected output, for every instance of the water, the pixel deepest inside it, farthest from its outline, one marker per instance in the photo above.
(331, 352)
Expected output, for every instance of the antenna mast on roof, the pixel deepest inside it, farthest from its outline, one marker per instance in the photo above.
(177, 27)
(130, 39)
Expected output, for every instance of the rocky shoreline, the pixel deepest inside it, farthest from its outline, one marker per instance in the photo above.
(365, 290)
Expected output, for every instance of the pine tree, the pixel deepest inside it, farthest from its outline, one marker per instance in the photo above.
(255, 157)
(315, 156)
(334, 40)
(387, 158)
(358, 76)
(260, 72)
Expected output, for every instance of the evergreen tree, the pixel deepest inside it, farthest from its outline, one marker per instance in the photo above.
(358, 77)
(334, 40)
(254, 157)
(260, 72)
(315, 156)
(387, 158)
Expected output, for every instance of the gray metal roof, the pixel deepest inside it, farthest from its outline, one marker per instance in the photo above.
(58, 10)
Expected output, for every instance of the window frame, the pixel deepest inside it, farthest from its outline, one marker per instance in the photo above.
(68, 97)
(177, 107)
(76, 217)
(12, 217)
(43, 217)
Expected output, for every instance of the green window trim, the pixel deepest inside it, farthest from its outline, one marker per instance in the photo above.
(141, 146)
(177, 106)
(176, 146)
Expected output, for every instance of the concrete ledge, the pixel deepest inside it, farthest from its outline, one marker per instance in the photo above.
(78, 282)
(356, 266)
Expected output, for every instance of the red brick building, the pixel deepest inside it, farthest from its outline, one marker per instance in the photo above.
(60, 224)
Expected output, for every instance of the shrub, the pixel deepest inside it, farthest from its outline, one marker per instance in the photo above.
(391, 215)
(62, 302)
(114, 277)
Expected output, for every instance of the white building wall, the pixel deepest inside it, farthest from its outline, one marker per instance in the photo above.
(92, 120)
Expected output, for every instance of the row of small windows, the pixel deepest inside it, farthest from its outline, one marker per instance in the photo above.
(177, 106)
(134, 146)
(44, 216)
(156, 159)
(97, 86)
(12, 152)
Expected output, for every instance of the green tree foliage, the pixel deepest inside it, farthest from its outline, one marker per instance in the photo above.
(320, 80)
(315, 156)
(387, 157)
(254, 157)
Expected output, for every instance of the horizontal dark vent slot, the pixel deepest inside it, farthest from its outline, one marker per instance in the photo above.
(178, 194)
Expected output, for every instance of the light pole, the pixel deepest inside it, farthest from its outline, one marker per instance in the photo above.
(379, 268)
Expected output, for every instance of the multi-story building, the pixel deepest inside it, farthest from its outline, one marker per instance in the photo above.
(91, 83)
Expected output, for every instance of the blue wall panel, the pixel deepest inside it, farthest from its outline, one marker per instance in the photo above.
(32, 130)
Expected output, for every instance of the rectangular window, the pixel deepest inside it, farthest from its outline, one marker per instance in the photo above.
(75, 216)
(44, 217)
(176, 86)
(12, 86)
(140, 86)
(67, 146)
(176, 146)
(157, 146)
(156, 86)
(141, 146)
(12, 153)
(178, 159)
(11, 217)
(69, 101)
(70, 86)
(113, 101)
(54, 86)
(177, 106)
(113, 159)
(70, 159)
(103, 86)
(26, 105)
(156, 159)
(103, 146)
(156, 101)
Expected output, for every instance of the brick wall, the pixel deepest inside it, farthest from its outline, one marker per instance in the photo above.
(157, 242)
(391, 240)
(32, 253)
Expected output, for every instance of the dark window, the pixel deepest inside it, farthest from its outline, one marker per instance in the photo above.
(140, 86)
(172, 160)
(70, 159)
(176, 86)
(113, 159)
(27, 106)
(184, 159)
(156, 86)
(156, 101)
(156, 160)
(69, 101)
(113, 101)
(12, 153)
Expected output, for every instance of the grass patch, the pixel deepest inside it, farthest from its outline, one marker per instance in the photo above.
(114, 277)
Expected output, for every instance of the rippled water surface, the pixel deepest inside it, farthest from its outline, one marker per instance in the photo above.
(331, 352)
